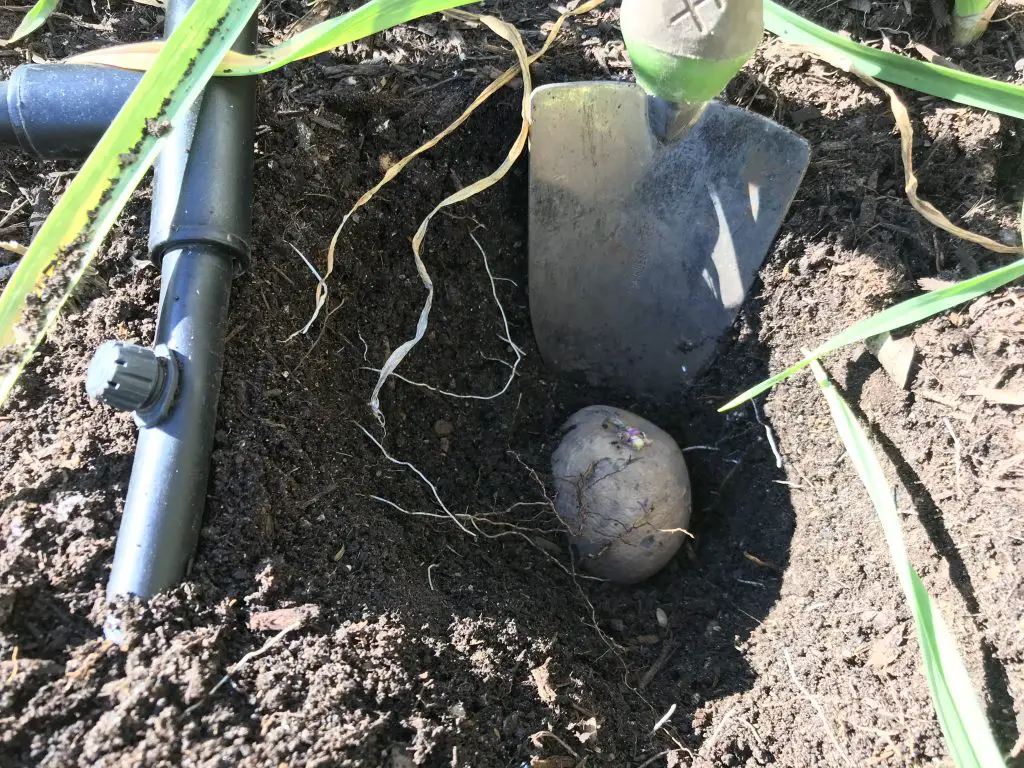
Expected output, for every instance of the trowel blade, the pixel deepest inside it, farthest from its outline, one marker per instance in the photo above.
(642, 253)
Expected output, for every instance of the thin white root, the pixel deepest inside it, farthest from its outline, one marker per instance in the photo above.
(508, 529)
(430, 581)
(768, 432)
(663, 719)
(511, 35)
(13, 247)
(708, 745)
(817, 708)
(246, 659)
(658, 755)
(535, 738)
(464, 521)
(420, 475)
(321, 294)
(507, 338)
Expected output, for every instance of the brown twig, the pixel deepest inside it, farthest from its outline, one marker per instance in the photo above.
(659, 663)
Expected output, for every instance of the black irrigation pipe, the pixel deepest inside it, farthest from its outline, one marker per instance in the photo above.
(199, 236)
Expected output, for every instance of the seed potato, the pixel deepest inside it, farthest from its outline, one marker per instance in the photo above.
(623, 492)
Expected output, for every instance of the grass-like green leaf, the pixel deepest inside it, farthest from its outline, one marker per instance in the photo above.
(946, 83)
(74, 230)
(33, 20)
(960, 715)
(971, 7)
(368, 19)
(905, 313)
(971, 18)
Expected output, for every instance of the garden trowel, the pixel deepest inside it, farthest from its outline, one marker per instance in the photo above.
(652, 206)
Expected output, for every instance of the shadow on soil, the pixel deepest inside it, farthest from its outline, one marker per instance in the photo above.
(495, 611)
(430, 641)
(997, 682)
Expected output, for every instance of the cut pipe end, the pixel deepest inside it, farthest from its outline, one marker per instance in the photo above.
(7, 134)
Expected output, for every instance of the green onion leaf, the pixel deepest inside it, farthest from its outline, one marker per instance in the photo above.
(960, 716)
(74, 230)
(33, 20)
(905, 313)
(946, 83)
(970, 19)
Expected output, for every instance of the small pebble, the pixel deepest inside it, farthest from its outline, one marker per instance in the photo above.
(443, 428)
(1009, 237)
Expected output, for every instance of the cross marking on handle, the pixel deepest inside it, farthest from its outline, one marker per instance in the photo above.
(689, 10)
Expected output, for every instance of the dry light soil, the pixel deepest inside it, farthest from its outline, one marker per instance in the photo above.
(778, 635)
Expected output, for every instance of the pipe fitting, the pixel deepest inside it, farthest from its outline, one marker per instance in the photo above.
(60, 111)
(128, 377)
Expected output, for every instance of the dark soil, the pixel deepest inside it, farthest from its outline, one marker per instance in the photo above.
(787, 640)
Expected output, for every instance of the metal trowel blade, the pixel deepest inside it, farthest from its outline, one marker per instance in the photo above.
(642, 253)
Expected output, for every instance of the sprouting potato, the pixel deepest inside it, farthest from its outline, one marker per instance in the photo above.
(623, 492)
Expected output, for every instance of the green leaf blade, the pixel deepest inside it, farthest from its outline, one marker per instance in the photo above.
(905, 313)
(368, 19)
(961, 718)
(943, 82)
(33, 20)
(74, 230)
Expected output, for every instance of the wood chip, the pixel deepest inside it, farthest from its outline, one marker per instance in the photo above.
(325, 123)
(937, 397)
(666, 654)
(556, 761)
(935, 58)
(804, 115)
(275, 621)
(886, 651)
(933, 283)
(763, 563)
(546, 544)
(584, 731)
(1001, 396)
(895, 355)
(541, 678)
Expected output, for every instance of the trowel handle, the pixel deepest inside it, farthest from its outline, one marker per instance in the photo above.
(686, 51)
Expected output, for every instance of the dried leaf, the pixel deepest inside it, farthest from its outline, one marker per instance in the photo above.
(926, 209)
